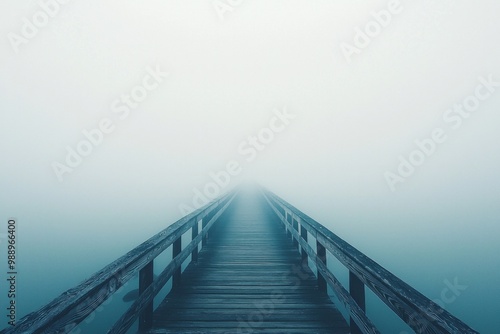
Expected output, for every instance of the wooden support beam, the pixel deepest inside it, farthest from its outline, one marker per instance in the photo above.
(287, 226)
(145, 279)
(303, 234)
(321, 252)
(194, 234)
(176, 249)
(203, 226)
(357, 291)
(295, 225)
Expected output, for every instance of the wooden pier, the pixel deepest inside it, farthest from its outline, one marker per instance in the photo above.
(248, 273)
(249, 278)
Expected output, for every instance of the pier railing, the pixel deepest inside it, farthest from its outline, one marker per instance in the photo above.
(416, 310)
(65, 312)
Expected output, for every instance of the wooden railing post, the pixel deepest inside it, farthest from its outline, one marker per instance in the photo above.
(321, 252)
(215, 226)
(194, 234)
(206, 220)
(145, 280)
(176, 249)
(357, 291)
(295, 226)
(287, 226)
(303, 234)
(203, 225)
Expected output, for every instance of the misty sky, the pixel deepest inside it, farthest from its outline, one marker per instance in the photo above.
(229, 74)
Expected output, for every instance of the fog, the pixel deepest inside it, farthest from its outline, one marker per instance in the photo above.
(361, 132)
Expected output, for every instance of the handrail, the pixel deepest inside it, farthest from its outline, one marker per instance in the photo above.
(146, 297)
(65, 312)
(416, 310)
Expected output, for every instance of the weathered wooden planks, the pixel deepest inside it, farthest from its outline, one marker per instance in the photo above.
(248, 279)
